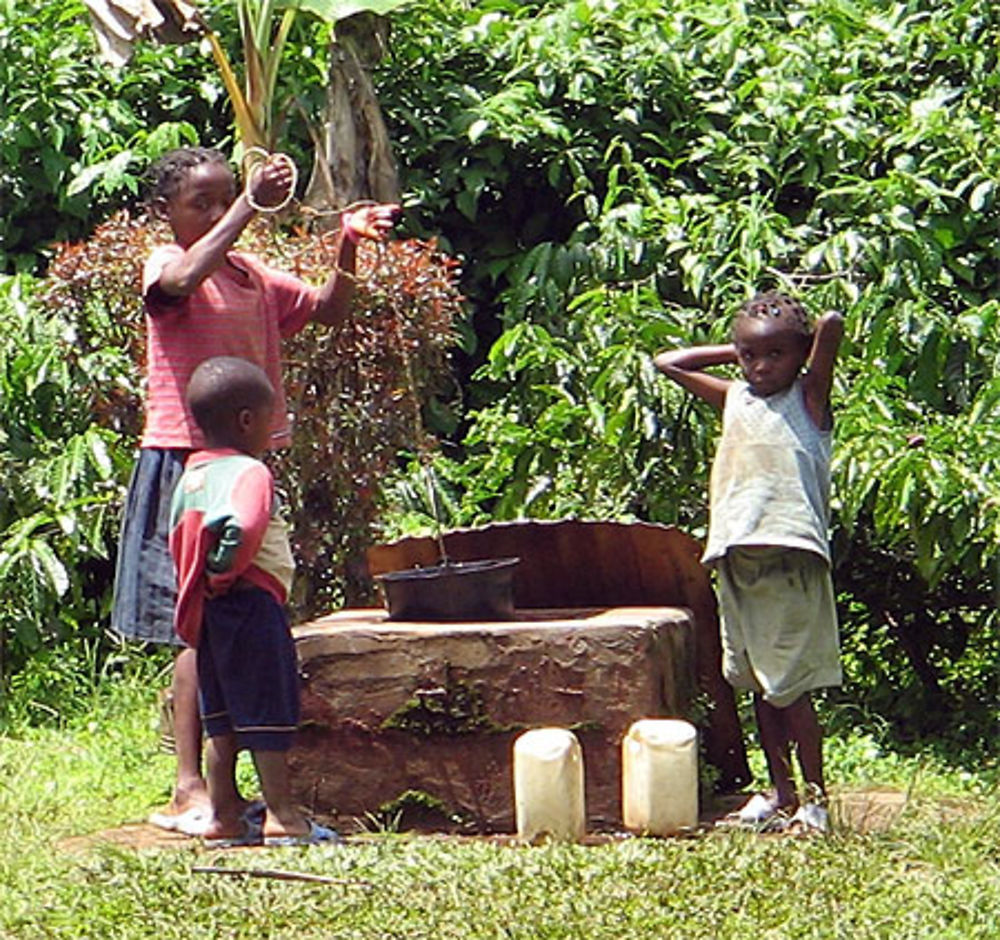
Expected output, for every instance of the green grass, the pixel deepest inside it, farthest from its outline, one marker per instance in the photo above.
(933, 873)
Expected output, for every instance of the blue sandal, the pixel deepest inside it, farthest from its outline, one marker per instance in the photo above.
(317, 835)
(251, 835)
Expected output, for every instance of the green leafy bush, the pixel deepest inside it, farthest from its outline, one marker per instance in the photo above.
(76, 135)
(59, 479)
(623, 175)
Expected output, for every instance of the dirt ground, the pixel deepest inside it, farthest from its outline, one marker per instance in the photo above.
(863, 810)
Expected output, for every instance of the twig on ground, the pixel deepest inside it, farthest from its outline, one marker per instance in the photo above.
(276, 874)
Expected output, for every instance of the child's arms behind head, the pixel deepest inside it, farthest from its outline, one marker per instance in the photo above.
(686, 367)
(818, 378)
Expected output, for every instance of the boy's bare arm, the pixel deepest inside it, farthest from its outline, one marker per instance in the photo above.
(336, 294)
(818, 379)
(686, 367)
(182, 277)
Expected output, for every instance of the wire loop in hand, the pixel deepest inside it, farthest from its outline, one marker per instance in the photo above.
(254, 160)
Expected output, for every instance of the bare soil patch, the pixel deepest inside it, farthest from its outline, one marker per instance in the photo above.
(862, 810)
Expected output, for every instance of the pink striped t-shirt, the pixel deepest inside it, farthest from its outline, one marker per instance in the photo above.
(242, 309)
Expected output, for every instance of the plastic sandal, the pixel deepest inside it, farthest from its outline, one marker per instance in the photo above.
(191, 822)
(251, 835)
(810, 817)
(317, 835)
(757, 810)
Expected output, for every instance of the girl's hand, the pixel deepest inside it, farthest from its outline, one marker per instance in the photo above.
(374, 222)
(271, 182)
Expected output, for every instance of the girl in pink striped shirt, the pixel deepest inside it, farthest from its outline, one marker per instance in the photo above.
(203, 299)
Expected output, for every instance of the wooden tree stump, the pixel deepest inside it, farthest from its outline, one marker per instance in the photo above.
(569, 563)
(429, 712)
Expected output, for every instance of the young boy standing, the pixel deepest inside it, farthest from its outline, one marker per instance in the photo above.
(234, 569)
(768, 534)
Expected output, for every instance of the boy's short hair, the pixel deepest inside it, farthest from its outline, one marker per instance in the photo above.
(221, 387)
(777, 306)
(165, 176)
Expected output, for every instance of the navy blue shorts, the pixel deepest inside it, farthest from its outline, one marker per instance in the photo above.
(145, 584)
(248, 677)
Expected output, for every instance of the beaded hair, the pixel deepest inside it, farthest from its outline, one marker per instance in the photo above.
(169, 171)
(780, 307)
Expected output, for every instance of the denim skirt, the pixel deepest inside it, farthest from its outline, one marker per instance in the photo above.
(145, 585)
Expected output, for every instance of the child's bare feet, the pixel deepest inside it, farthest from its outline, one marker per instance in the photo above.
(287, 824)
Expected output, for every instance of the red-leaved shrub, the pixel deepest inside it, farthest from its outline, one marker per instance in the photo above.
(356, 393)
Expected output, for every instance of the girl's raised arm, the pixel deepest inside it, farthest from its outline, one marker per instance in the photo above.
(371, 221)
(686, 367)
(818, 379)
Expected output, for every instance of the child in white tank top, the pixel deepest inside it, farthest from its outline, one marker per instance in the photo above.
(768, 533)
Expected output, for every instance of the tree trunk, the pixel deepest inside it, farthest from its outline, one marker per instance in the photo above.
(353, 157)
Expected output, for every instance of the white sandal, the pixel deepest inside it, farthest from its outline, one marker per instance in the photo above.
(758, 809)
(810, 817)
(191, 822)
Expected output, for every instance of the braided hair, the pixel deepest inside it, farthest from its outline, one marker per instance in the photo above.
(169, 171)
(780, 307)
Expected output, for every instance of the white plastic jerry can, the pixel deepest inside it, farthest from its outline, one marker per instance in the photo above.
(548, 785)
(660, 776)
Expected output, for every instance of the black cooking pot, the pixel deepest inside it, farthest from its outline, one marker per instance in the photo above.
(452, 591)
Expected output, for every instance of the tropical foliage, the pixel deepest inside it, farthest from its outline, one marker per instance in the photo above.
(58, 472)
(617, 175)
(76, 138)
(625, 173)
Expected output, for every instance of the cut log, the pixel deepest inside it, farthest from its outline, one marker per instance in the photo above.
(571, 563)
(431, 710)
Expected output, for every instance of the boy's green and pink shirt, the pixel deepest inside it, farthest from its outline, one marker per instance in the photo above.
(225, 532)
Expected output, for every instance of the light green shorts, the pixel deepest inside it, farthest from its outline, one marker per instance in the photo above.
(779, 623)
